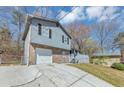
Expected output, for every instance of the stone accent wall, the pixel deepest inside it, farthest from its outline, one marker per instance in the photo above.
(32, 55)
(60, 58)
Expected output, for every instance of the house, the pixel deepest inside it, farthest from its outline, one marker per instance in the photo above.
(122, 49)
(119, 41)
(106, 59)
(45, 41)
(122, 53)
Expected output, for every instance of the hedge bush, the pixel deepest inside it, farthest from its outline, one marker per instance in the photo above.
(118, 66)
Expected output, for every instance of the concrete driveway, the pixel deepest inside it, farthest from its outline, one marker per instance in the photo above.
(17, 75)
(55, 75)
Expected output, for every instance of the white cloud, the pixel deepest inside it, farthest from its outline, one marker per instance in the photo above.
(76, 14)
(115, 16)
(110, 12)
(122, 26)
(94, 12)
(102, 18)
(102, 13)
(69, 18)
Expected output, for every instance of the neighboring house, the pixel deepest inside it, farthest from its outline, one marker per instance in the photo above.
(45, 41)
(119, 41)
(122, 49)
(106, 59)
(122, 53)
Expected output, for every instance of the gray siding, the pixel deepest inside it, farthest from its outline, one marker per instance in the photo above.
(44, 23)
(55, 41)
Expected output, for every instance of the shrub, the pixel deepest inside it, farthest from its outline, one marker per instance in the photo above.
(118, 66)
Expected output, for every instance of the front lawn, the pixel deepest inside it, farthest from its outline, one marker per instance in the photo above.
(113, 76)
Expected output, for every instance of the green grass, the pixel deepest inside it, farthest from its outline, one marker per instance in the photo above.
(113, 76)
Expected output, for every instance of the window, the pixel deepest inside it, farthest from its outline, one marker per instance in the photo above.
(39, 29)
(50, 33)
(57, 24)
(62, 38)
(67, 40)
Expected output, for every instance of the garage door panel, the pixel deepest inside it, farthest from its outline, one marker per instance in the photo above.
(43, 56)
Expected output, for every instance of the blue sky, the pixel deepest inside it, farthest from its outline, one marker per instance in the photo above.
(86, 15)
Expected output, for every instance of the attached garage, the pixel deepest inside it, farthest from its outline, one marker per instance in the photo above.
(43, 56)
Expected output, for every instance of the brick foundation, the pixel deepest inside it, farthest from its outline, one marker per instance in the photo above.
(61, 58)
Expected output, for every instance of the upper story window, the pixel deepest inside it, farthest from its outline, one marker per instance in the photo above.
(67, 40)
(62, 38)
(50, 33)
(39, 29)
(57, 24)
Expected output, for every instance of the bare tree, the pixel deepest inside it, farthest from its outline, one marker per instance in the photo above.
(91, 47)
(5, 38)
(104, 33)
(80, 33)
(5, 41)
(18, 20)
(41, 11)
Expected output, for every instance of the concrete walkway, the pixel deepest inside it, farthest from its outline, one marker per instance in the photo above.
(17, 75)
(55, 75)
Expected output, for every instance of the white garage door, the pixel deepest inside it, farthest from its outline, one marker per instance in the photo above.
(43, 56)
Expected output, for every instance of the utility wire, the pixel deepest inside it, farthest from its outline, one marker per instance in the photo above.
(58, 13)
(68, 13)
